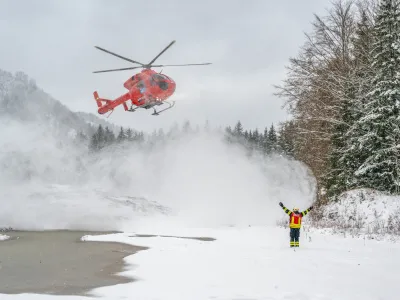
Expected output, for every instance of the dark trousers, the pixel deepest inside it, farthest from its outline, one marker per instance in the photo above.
(294, 237)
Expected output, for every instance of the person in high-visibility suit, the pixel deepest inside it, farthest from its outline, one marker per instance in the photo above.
(295, 223)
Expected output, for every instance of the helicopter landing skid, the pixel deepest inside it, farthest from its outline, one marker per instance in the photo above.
(156, 113)
(132, 109)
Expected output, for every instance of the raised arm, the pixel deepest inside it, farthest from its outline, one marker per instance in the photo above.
(286, 210)
(307, 211)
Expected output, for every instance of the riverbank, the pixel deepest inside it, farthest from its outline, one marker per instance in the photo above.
(58, 262)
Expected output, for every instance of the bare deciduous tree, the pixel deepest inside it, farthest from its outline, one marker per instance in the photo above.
(317, 83)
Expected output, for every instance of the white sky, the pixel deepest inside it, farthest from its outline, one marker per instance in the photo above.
(248, 42)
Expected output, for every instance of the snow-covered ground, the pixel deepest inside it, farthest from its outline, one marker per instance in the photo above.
(4, 237)
(250, 263)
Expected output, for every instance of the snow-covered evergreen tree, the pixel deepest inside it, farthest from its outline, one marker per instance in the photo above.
(272, 139)
(286, 138)
(336, 178)
(381, 120)
(187, 127)
(353, 155)
(109, 137)
(94, 144)
(238, 130)
(265, 141)
(129, 134)
(121, 135)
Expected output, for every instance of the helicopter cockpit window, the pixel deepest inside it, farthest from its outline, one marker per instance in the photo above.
(163, 85)
(159, 80)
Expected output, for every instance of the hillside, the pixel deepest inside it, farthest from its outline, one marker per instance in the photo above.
(41, 139)
(22, 100)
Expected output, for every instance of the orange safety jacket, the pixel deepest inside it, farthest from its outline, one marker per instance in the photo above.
(295, 218)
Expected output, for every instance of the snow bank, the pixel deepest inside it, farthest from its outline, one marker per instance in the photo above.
(4, 237)
(361, 212)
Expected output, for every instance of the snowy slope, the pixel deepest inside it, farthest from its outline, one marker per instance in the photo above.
(38, 138)
(21, 99)
(8, 82)
(95, 121)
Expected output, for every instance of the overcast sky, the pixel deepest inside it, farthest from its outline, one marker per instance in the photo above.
(247, 42)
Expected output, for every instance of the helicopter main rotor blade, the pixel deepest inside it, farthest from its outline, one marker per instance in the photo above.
(119, 56)
(112, 70)
(165, 49)
(181, 65)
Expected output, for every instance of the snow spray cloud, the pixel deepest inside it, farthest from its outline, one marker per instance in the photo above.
(202, 179)
(31, 159)
(208, 182)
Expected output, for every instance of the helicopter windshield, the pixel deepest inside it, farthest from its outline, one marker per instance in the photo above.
(160, 80)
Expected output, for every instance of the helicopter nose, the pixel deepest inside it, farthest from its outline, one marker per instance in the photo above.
(173, 85)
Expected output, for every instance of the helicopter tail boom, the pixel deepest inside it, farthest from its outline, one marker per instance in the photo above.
(100, 100)
(106, 105)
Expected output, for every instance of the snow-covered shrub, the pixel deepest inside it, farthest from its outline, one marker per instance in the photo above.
(360, 212)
